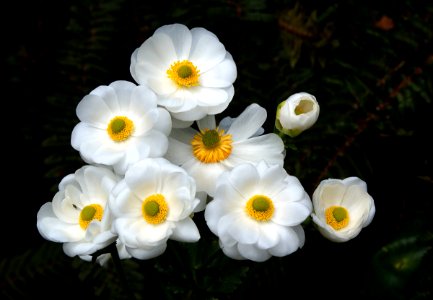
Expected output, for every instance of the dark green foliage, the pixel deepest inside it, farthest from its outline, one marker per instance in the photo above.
(370, 65)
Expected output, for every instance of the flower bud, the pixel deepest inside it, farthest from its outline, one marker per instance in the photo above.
(297, 113)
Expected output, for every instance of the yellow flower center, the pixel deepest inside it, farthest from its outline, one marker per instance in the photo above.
(155, 209)
(184, 73)
(120, 128)
(90, 213)
(337, 217)
(211, 145)
(304, 107)
(260, 208)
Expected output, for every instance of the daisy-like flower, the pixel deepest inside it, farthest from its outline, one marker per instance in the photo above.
(120, 124)
(207, 153)
(153, 203)
(257, 211)
(78, 215)
(342, 208)
(297, 113)
(189, 70)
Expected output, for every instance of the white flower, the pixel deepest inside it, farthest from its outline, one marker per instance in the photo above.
(189, 70)
(297, 113)
(78, 216)
(213, 150)
(342, 208)
(120, 124)
(152, 204)
(257, 211)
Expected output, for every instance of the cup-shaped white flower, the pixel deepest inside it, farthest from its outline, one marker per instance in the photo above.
(342, 208)
(211, 151)
(257, 212)
(120, 124)
(297, 113)
(153, 203)
(189, 70)
(78, 215)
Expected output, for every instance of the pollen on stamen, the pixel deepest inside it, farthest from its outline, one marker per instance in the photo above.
(211, 145)
(120, 128)
(89, 213)
(337, 217)
(260, 208)
(184, 73)
(155, 209)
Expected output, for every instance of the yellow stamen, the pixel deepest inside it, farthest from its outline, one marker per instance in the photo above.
(89, 213)
(155, 209)
(260, 208)
(304, 107)
(120, 128)
(337, 217)
(184, 73)
(211, 145)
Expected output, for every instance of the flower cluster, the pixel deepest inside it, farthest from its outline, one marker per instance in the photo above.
(155, 156)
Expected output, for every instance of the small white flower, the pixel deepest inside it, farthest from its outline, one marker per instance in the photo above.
(153, 203)
(342, 208)
(257, 211)
(189, 70)
(213, 150)
(297, 113)
(78, 216)
(120, 124)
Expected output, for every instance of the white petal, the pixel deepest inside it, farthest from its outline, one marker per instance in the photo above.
(162, 85)
(329, 192)
(149, 234)
(141, 253)
(245, 179)
(127, 204)
(184, 135)
(205, 175)
(93, 110)
(185, 231)
(289, 242)
(272, 179)
(252, 252)
(108, 95)
(206, 50)
(243, 229)
(216, 109)
(269, 237)
(231, 251)
(143, 178)
(207, 122)
(290, 213)
(178, 153)
(209, 97)
(180, 36)
(158, 50)
(220, 76)
(248, 122)
(164, 123)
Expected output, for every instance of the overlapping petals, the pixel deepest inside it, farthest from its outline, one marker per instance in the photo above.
(269, 226)
(342, 208)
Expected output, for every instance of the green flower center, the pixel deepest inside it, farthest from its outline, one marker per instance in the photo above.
(339, 214)
(117, 125)
(87, 213)
(184, 71)
(211, 138)
(151, 208)
(260, 204)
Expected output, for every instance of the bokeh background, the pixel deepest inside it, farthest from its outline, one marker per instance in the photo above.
(369, 64)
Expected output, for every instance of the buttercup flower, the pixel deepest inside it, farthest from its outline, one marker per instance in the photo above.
(120, 124)
(297, 113)
(152, 204)
(78, 215)
(342, 208)
(257, 211)
(189, 70)
(211, 151)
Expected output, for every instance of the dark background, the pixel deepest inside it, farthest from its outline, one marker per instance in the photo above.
(369, 63)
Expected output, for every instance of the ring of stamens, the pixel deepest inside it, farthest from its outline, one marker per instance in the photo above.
(337, 217)
(120, 128)
(155, 209)
(260, 208)
(184, 73)
(211, 145)
(89, 213)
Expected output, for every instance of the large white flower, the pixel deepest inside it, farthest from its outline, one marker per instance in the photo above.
(342, 208)
(189, 70)
(78, 215)
(213, 150)
(257, 211)
(152, 204)
(120, 124)
(297, 113)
